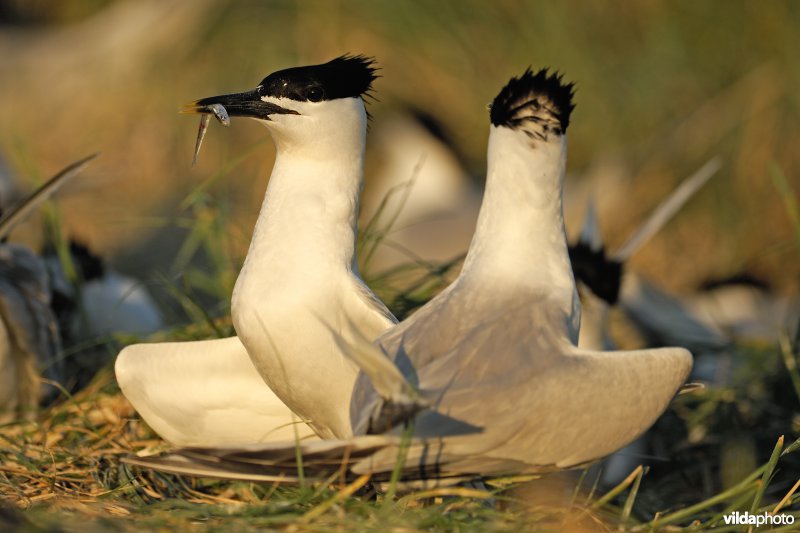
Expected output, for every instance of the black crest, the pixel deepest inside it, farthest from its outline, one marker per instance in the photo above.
(344, 77)
(601, 274)
(539, 103)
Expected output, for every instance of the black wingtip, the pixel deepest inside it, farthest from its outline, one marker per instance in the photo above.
(542, 98)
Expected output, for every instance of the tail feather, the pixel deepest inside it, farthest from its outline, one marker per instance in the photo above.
(321, 460)
(182, 465)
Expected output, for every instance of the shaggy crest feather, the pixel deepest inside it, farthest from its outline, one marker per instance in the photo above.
(539, 103)
(346, 76)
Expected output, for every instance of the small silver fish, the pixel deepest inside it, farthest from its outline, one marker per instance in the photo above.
(201, 132)
(221, 114)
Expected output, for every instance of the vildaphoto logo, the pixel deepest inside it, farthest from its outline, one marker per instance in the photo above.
(747, 519)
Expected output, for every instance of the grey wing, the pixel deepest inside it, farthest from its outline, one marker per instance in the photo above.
(444, 341)
(613, 398)
(22, 209)
(594, 405)
(411, 344)
(539, 401)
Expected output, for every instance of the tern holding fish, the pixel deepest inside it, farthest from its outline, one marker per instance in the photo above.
(300, 266)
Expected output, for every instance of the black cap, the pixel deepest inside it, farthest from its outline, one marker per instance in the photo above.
(344, 77)
(540, 103)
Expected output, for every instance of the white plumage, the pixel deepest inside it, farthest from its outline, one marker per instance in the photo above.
(204, 393)
(300, 267)
(497, 348)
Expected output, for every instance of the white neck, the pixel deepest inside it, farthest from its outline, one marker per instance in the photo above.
(297, 280)
(307, 224)
(519, 241)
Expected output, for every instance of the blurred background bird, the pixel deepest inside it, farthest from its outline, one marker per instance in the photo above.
(94, 306)
(609, 291)
(30, 340)
(59, 314)
(30, 346)
(420, 202)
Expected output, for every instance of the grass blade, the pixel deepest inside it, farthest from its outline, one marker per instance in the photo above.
(767, 476)
(610, 495)
(340, 496)
(397, 471)
(628, 507)
(786, 498)
(24, 207)
(689, 512)
(788, 196)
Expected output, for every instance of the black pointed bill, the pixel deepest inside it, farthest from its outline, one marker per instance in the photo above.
(247, 104)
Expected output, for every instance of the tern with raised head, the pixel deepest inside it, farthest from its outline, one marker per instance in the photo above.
(299, 277)
(497, 349)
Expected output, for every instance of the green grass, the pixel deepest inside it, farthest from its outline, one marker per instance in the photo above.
(64, 471)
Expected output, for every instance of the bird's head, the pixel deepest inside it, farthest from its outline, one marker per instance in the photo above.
(320, 102)
(527, 137)
(539, 104)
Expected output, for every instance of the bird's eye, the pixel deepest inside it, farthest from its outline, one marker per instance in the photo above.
(315, 94)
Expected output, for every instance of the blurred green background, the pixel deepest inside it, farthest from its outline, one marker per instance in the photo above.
(662, 86)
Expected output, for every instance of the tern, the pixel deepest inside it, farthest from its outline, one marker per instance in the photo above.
(604, 282)
(300, 267)
(91, 306)
(505, 332)
(487, 374)
(29, 341)
(111, 301)
(601, 276)
(746, 308)
(30, 344)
